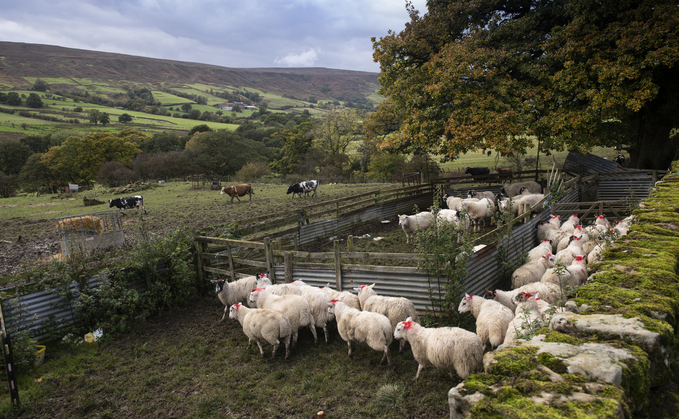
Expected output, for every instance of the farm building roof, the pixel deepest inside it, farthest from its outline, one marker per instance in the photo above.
(590, 163)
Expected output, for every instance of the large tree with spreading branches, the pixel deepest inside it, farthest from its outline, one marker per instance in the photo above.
(496, 74)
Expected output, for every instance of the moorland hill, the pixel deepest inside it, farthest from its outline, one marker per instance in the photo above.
(21, 63)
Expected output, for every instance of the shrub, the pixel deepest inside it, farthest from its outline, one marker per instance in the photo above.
(253, 171)
(114, 173)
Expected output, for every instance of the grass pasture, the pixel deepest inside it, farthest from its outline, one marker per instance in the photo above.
(187, 364)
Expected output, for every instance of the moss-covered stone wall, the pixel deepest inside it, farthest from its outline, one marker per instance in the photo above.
(637, 279)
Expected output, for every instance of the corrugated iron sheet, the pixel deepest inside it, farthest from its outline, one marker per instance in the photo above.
(589, 164)
(624, 185)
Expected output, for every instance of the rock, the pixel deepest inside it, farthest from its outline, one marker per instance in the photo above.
(597, 362)
(613, 326)
(461, 405)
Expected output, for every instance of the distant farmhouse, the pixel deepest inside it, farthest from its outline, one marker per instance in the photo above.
(229, 106)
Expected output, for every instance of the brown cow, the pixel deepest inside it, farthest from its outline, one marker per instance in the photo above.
(237, 190)
(504, 173)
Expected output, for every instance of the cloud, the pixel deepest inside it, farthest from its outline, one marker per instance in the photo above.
(305, 59)
(253, 33)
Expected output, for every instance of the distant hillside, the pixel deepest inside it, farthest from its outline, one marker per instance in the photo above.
(20, 60)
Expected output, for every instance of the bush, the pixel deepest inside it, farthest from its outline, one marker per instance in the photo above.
(8, 185)
(114, 173)
(253, 171)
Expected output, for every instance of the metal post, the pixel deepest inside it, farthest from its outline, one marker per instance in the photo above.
(287, 263)
(199, 261)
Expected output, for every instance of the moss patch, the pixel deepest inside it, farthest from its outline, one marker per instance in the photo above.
(553, 363)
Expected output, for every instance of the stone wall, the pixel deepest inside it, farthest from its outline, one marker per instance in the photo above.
(612, 354)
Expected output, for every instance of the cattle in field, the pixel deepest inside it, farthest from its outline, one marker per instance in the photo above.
(237, 190)
(127, 203)
(504, 173)
(303, 188)
(478, 173)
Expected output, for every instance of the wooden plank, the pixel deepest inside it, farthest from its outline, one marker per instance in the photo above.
(393, 256)
(235, 243)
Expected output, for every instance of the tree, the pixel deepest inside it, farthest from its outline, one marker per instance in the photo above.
(125, 118)
(222, 153)
(296, 143)
(8, 185)
(13, 99)
(35, 176)
(94, 116)
(114, 173)
(77, 160)
(479, 75)
(334, 134)
(104, 118)
(37, 143)
(40, 86)
(199, 128)
(186, 107)
(13, 155)
(33, 101)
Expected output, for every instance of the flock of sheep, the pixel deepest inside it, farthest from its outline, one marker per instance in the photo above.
(558, 264)
(477, 210)
(276, 312)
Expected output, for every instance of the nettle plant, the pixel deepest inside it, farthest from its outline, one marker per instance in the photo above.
(445, 261)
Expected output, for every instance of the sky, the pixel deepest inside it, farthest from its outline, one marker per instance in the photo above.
(228, 33)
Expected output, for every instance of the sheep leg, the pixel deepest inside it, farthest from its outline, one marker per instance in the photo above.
(401, 345)
(287, 347)
(261, 350)
(349, 345)
(313, 332)
(420, 367)
(225, 310)
(249, 343)
(387, 354)
(325, 331)
(275, 348)
(294, 338)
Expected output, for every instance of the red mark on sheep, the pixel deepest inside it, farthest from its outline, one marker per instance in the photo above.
(407, 324)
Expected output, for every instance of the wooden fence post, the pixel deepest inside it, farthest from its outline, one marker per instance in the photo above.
(231, 267)
(287, 263)
(199, 261)
(338, 266)
(269, 259)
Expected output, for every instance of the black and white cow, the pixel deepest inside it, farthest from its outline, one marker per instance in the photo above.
(303, 188)
(127, 203)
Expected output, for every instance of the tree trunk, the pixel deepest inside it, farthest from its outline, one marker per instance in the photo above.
(653, 148)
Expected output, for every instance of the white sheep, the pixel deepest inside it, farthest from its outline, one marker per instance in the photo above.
(539, 251)
(295, 307)
(479, 211)
(452, 202)
(533, 271)
(455, 349)
(555, 221)
(574, 248)
(347, 297)
(527, 317)
(492, 318)
(568, 225)
(546, 231)
(318, 302)
(621, 228)
(235, 292)
(571, 276)
(595, 254)
(516, 188)
(395, 308)
(412, 223)
(472, 193)
(550, 293)
(446, 216)
(526, 202)
(270, 325)
(355, 326)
